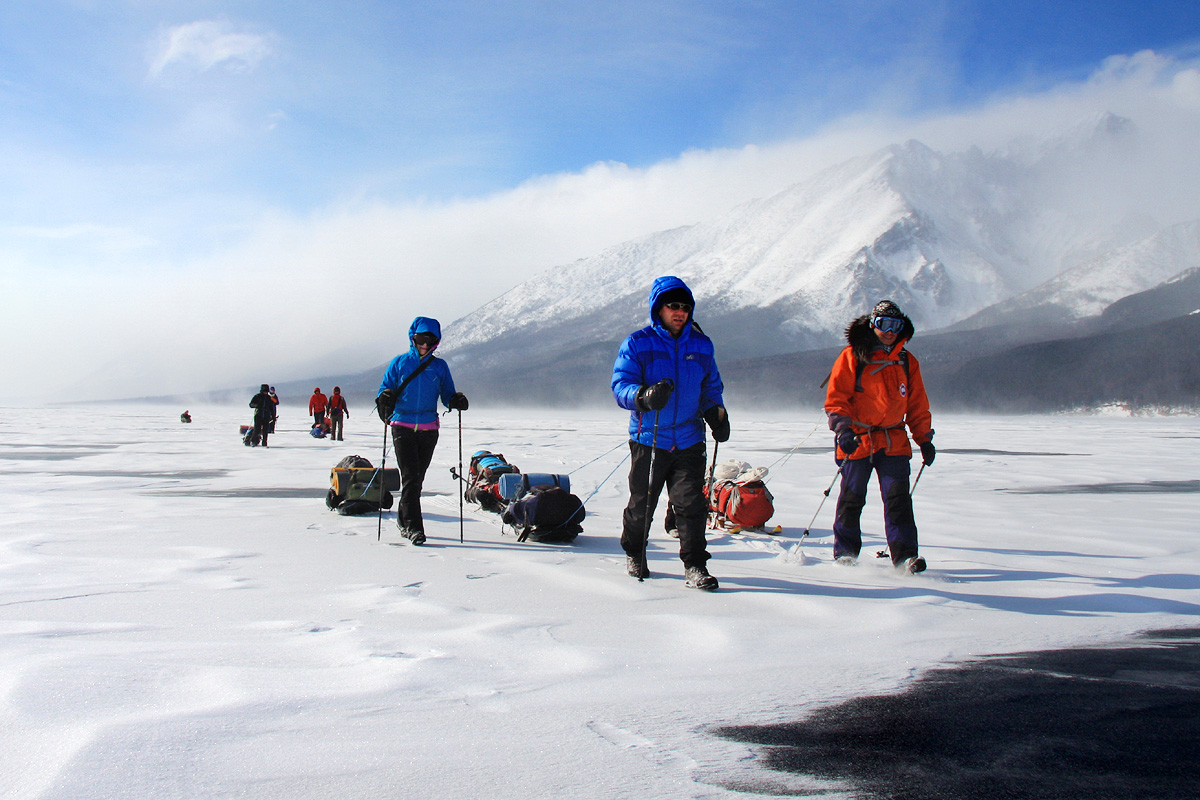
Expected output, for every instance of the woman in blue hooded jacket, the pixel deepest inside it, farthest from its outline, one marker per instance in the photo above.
(666, 375)
(413, 416)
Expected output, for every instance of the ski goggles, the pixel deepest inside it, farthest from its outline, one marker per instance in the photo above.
(888, 324)
(424, 338)
(678, 306)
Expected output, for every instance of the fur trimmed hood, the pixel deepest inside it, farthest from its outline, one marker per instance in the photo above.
(861, 337)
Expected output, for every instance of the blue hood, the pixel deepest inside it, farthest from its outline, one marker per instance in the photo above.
(424, 325)
(660, 287)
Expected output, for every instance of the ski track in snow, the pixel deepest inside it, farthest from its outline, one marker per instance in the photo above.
(181, 616)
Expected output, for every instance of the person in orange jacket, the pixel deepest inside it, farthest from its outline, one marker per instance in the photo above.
(316, 406)
(875, 390)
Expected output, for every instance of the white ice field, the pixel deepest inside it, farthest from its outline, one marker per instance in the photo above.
(181, 616)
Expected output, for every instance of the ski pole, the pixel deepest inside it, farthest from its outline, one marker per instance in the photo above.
(708, 487)
(649, 498)
(823, 499)
(460, 486)
(918, 480)
(382, 485)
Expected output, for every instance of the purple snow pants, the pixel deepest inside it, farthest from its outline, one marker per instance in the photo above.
(899, 525)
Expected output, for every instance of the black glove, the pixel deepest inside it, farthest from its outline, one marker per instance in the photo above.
(928, 451)
(458, 401)
(654, 398)
(385, 404)
(718, 419)
(847, 440)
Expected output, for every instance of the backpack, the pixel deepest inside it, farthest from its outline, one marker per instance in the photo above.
(546, 514)
(483, 482)
(358, 488)
(739, 498)
(742, 505)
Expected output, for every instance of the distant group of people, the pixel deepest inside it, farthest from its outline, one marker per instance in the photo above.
(328, 413)
(666, 375)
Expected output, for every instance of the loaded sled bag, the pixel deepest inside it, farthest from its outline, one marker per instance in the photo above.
(356, 487)
(546, 514)
(739, 498)
(483, 482)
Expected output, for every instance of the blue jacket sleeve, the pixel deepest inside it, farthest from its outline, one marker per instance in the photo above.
(391, 376)
(627, 377)
(447, 383)
(711, 389)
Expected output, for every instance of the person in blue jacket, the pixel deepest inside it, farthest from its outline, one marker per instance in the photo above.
(407, 401)
(666, 375)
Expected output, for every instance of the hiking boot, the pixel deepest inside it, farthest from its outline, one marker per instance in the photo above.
(636, 568)
(912, 565)
(416, 537)
(846, 561)
(698, 578)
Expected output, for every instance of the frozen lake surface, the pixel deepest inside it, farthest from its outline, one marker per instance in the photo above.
(181, 616)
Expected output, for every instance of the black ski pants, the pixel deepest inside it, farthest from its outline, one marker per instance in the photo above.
(414, 451)
(262, 427)
(682, 473)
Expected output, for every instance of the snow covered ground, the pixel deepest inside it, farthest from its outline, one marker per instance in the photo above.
(181, 616)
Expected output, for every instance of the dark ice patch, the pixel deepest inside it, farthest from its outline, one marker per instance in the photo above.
(27, 456)
(286, 492)
(978, 451)
(1121, 487)
(1119, 722)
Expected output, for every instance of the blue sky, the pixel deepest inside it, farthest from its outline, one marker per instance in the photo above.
(154, 153)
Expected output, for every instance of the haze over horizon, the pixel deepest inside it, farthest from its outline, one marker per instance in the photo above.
(204, 195)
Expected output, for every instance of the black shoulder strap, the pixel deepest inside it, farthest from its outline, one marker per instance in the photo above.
(901, 359)
(420, 368)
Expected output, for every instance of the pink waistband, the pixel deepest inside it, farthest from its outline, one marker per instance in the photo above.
(420, 426)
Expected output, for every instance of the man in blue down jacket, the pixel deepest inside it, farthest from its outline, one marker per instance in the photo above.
(666, 375)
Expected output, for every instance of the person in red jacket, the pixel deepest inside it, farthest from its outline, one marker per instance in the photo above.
(337, 408)
(875, 390)
(316, 406)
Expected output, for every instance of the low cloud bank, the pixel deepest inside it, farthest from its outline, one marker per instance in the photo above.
(286, 295)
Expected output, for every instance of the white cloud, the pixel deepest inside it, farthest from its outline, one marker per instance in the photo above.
(202, 45)
(350, 276)
(107, 238)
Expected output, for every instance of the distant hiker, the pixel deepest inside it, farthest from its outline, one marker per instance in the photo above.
(875, 389)
(316, 406)
(264, 415)
(666, 375)
(407, 401)
(275, 400)
(185, 416)
(337, 408)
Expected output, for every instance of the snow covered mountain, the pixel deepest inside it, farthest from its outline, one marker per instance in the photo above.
(1086, 290)
(986, 251)
(944, 235)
